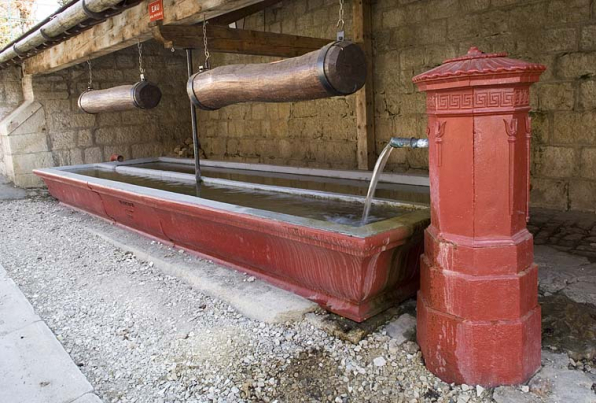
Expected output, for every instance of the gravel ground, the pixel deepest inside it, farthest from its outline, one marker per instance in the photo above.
(140, 336)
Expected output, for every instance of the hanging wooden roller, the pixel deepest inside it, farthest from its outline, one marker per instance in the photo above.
(141, 95)
(337, 69)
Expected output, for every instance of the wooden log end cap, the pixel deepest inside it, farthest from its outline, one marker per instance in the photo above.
(146, 95)
(345, 67)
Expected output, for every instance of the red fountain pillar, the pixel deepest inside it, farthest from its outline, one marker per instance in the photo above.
(478, 312)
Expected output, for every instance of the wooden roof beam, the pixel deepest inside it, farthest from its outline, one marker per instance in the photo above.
(230, 40)
(124, 30)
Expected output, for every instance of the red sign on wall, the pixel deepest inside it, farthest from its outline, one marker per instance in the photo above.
(156, 10)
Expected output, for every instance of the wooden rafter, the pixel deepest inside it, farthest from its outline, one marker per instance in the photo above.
(231, 40)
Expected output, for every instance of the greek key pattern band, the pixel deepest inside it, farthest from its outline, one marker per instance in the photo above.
(478, 99)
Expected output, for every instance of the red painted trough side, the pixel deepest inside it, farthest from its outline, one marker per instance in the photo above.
(356, 277)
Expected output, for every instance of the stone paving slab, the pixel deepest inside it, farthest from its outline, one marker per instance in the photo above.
(568, 231)
(9, 192)
(553, 383)
(572, 275)
(252, 297)
(34, 368)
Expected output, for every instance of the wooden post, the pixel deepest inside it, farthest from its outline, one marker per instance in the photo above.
(365, 100)
(195, 132)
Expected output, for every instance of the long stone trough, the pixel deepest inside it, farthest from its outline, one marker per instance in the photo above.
(351, 269)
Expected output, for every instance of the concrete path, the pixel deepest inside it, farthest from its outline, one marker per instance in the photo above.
(254, 298)
(9, 192)
(34, 368)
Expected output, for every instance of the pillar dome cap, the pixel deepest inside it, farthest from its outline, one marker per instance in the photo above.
(477, 64)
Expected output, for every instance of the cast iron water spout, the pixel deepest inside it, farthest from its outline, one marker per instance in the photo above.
(395, 142)
(405, 142)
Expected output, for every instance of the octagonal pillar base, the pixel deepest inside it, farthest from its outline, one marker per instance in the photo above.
(482, 327)
(477, 352)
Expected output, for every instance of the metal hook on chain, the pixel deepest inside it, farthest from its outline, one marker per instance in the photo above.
(90, 83)
(207, 55)
(341, 22)
(141, 69)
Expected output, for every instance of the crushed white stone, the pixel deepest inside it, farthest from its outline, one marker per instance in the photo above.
(402, 329)
(142, 336)
(379, 362)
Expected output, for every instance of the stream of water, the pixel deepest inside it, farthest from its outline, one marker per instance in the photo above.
(379, 166)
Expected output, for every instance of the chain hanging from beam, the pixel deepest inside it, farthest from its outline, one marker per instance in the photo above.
(90, 83)
(340, 22)
(141, 69)
(207, 64)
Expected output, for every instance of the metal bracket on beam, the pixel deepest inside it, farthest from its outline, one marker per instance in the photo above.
(20, 54)
(91, 14)
(45, 36)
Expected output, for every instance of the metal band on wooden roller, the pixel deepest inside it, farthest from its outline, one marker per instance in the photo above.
(19, 54)
(91, 14)
(142, 95)
(337, 69)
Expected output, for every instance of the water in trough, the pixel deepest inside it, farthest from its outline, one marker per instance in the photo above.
(334, 209)
(384, 190)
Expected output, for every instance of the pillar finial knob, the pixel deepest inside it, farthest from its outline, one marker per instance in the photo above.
(474, 51)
